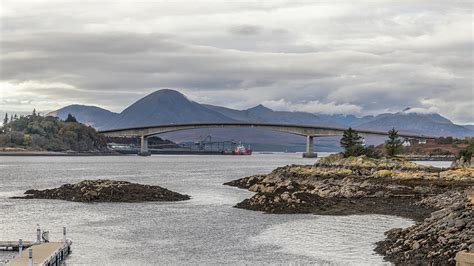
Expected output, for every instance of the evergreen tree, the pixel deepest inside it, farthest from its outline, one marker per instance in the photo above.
(393, 145)
(34, 112)
(5, 120)
(70, 118)
(352, 143)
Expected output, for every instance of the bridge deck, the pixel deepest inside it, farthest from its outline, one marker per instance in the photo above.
(302, 130)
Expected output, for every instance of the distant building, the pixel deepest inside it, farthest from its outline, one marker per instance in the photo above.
(406, 143)
(422, 141)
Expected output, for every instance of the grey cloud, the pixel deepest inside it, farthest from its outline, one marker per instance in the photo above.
(245, 30)
(379, 57)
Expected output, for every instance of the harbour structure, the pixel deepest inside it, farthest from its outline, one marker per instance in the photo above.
(203, 146)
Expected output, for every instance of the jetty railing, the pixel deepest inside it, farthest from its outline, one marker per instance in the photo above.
(40, 252)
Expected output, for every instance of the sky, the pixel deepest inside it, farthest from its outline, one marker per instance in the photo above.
(327, 57)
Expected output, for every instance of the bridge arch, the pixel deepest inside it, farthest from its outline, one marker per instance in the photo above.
(309, 131)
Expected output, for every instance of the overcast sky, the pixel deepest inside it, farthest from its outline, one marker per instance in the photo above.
(326, 57)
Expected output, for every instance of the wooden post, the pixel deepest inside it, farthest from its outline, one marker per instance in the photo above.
(64, 234)
(20, 247)
(38, 233)
(30, 257)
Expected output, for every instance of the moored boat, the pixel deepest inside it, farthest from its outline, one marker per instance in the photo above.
(242, 150)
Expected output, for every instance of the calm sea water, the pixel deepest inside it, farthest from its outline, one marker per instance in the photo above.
(203, 230)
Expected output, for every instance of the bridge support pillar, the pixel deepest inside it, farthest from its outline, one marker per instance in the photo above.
(310, 148)
(144, 147)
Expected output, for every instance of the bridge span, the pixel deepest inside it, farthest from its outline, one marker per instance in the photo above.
(309, 131)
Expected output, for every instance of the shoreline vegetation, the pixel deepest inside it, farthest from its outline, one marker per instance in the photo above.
(36, 133)
(435, 198)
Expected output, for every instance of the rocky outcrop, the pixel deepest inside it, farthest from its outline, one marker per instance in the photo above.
(437, 239)
(304, 189)
(360, 185)
(106, 191)
(354, 185)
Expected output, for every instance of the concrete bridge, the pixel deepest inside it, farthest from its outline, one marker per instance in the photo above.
(309, 131)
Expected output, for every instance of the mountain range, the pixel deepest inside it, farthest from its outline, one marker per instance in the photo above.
(171, 107)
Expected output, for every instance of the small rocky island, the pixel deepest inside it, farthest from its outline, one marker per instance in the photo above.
(104, 190)
(434, 197)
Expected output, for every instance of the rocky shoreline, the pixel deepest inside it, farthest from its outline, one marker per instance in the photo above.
(436, 239)
(103, 190)
(361, 185)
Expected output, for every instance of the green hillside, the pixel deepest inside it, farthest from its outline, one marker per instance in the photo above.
(40, 133)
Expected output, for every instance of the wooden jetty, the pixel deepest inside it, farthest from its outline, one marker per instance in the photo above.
(49, 254)
(41, 252)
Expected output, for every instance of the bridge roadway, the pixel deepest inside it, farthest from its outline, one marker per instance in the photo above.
(309, 131)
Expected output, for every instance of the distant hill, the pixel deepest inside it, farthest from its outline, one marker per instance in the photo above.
(470, 127)
(346, 120)
(264, 114)
(165, 107)
(90, 115)
(172, 107)
(412, 122)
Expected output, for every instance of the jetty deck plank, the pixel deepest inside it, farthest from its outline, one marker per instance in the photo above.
(41, 252)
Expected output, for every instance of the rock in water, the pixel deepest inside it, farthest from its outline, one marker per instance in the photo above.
(103, 190)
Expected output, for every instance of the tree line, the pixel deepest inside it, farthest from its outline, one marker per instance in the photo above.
(36, 132)
(354, 145)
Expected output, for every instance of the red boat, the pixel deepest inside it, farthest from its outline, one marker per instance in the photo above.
(241, 150)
